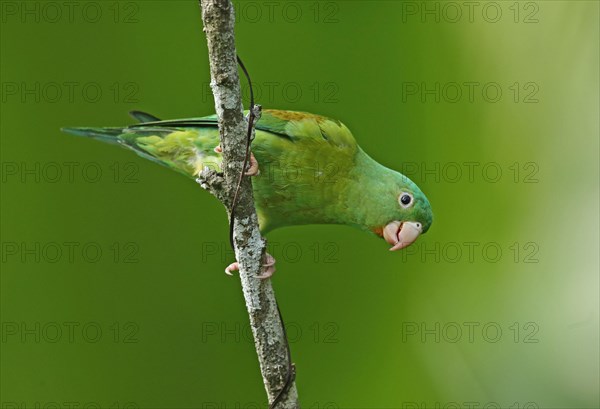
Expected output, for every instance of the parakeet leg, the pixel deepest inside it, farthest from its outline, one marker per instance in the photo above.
(268, 266)
(253, 169)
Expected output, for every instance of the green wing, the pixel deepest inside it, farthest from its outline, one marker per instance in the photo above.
(289, 124)
(186, 145)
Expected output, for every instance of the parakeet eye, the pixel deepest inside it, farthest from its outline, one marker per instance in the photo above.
(406, 199)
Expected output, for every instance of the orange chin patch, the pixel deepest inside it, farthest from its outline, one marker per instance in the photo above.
(378, 231)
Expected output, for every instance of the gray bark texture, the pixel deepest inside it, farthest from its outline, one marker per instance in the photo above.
(269, 337)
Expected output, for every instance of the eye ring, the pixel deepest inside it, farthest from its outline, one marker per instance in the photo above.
(406, 200)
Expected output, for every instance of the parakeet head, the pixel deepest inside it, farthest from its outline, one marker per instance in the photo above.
(407, 213)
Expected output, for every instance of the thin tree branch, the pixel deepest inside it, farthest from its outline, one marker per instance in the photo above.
(267, 326)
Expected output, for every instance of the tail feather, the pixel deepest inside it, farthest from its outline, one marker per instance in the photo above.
(143, 116)
(110, 135)
(169, 147)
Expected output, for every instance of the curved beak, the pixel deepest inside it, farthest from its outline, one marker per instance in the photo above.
(401, 234)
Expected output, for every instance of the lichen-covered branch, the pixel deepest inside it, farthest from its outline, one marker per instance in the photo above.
(269, 337)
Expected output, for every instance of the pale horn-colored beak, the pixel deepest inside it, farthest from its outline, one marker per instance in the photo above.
(401, 234)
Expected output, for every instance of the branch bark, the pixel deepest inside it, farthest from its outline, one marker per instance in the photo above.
(267, 327)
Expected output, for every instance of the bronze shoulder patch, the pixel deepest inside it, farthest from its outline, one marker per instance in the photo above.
(294, 115)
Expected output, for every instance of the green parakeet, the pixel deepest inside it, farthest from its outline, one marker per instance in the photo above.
(312, 171)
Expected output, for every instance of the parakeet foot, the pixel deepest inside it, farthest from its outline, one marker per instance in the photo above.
(268, 266)
(253, 169)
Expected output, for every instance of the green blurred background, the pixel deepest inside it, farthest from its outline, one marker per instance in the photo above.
(112, 284)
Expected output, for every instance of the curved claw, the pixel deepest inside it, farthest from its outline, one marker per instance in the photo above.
(232, 267)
